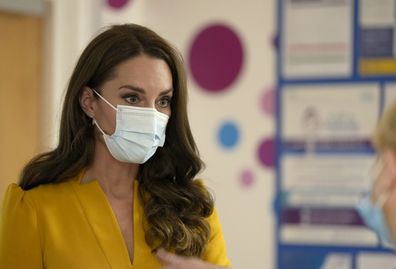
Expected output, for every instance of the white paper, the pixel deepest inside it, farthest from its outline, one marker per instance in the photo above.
(328, 235)
(329, 112)
(377, 13)
(326, 180)
(337, 261)
(317, 38)
(366, 260)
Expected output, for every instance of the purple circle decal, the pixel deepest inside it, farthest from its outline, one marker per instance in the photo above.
(266, 152)
(268, 102)
(275, 42)
(247, 178)
(117, 3)
(215, 57)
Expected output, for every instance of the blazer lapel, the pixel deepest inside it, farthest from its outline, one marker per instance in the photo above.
(103, 222)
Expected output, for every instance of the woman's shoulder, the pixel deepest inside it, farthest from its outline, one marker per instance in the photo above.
(15, 195)
(16, 203)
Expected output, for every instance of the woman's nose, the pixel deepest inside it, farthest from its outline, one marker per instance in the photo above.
(150, 103)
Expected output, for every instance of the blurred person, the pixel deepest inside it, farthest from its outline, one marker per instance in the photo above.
(378, 209)
(119, 190)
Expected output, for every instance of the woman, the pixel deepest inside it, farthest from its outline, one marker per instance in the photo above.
(120, 184)
(378, 210)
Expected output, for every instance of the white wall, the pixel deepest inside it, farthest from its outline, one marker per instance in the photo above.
(245, 212)
(70, 24)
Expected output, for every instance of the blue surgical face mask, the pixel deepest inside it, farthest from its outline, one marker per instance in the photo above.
(139, 132)
(374, 218)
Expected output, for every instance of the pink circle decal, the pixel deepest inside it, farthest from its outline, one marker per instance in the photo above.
(247, 178)
(266, 152)
(268, 102)
(117, 3)
(215, 57)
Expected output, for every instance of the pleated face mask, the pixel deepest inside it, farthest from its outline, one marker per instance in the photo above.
(139, 132)
(372, 213)
(374, 218)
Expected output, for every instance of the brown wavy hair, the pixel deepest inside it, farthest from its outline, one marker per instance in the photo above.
(176, 206)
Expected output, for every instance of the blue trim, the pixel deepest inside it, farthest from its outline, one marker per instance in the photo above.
(278, 124)
(377, 79)
(355, 40)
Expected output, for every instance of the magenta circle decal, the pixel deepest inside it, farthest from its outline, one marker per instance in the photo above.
(266, 152)
(247, 178)
(268, 102)
(117, 3)
(215, 57)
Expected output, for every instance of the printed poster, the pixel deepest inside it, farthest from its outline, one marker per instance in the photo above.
(377, 37)
(326, 161)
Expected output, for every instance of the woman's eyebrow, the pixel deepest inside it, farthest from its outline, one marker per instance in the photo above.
(166, 92)
(141, 90)
(134, 88)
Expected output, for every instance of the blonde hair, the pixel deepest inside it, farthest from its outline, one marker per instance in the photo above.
(385, 134)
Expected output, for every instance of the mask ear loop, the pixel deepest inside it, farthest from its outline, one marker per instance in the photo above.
(101, 97)
(97, 125)
(94, 122)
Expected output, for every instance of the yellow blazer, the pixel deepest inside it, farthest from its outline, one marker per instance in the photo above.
(71, 226)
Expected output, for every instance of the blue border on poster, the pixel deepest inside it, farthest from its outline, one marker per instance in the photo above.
(309, 250)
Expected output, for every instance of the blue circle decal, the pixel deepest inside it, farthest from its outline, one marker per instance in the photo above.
(228, 135)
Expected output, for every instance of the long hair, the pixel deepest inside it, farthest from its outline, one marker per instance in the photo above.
(176, 206)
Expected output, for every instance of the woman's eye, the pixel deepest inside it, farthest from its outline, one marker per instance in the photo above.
(164, 102)
(131, 99)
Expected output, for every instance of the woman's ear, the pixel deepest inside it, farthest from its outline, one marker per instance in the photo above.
(86, 102)
(390, 161)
